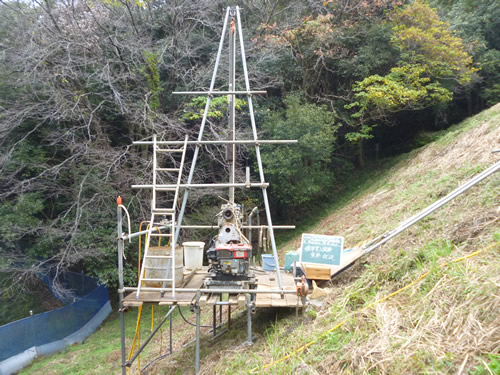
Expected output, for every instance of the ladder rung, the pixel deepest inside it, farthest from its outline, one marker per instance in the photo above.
(163, 210)
(169, 150)
(155, 225)
(168, 169)
(159, 256)
(156, 279)
(161, 234)
(165, 189)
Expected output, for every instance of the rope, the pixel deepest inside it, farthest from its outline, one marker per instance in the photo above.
(423, 276)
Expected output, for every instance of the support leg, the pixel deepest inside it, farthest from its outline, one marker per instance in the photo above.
(197, 358)
(214, 321)
(122, 334)
(220, 310)
(249, 319)
(170, 328)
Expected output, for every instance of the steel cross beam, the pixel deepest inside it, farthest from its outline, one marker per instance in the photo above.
(210, 93)
(221, 142)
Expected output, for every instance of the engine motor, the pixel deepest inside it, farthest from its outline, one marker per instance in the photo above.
(230, 252)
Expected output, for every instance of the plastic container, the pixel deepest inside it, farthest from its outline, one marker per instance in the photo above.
(162, 268)
(268, 263)
(290, 257)
(193, 254)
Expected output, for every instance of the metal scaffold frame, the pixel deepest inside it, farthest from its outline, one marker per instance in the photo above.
(243, 297)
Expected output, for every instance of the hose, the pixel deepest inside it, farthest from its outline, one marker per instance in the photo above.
(128, 220)
(188, 322)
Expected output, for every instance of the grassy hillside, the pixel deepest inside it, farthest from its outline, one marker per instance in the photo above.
(446, 323)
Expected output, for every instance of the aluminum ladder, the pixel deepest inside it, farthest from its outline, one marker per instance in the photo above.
(167, 215)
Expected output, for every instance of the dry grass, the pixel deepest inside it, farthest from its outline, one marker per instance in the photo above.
(447, 323)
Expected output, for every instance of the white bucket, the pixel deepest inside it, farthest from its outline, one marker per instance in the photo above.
(193, 254)
(162, 268)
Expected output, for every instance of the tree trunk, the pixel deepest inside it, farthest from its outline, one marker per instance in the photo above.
(361, 159)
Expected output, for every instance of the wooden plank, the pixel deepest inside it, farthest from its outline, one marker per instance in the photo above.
(315, 272)
(132, 303)
(241, 300)
(171, 303)
(233, 299)
(263, 300)
(188, 278)
(203, 300)
(278, 301)
(213, 299)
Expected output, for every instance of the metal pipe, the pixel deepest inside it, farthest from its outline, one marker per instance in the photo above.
(210, 92)
(121, 284)
(170, 329)
(137, 234)
(129, 362)
(202, 127)
(221, 142)
(249, 319)
(257, 150)
(243, 226)
(232, 107)
(213, 291)
(433, 207)
(190, 185)
(197, 307)
(214, 319)
(132, 235)
(255, 210)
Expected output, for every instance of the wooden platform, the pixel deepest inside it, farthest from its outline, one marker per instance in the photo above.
(268, 280)
(265, 281)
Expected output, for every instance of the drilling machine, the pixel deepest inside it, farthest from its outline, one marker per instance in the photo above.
(230, 253)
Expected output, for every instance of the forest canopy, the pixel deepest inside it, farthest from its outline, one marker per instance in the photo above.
(81, 80)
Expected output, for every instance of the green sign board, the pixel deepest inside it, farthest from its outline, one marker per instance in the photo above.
(321, 249)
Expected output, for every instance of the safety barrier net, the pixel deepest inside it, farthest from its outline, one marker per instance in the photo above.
(85, 300)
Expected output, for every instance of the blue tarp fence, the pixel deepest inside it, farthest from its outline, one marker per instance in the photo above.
(42, 334)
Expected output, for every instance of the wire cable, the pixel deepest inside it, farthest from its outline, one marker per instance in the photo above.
(188, 322)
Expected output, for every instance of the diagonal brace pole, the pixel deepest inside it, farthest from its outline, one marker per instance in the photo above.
(257, 153)
(202, 128)
(130, 361)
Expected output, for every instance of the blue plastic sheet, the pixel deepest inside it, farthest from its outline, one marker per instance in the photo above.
(47, 327)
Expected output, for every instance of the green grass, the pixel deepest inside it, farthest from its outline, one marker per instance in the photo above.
(430, 327)
(101, 353)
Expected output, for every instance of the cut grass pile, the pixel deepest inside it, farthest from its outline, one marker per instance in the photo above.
(448, 322)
